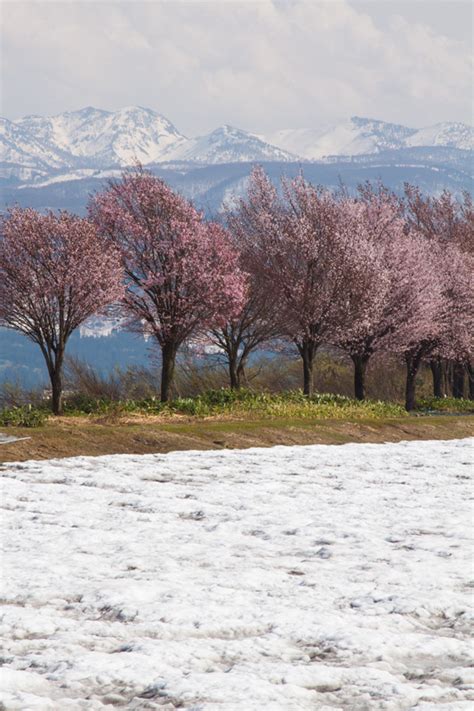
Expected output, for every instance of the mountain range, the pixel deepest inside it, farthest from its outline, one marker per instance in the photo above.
(80, 144)
(363, 136)
(57, 162)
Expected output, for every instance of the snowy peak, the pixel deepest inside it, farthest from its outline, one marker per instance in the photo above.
(48, 148)
(94, 138)
(449, 134)
(355, 136)
(25, 156)
(358, 136)
(391, 135)
(107, 138)
(227, 144)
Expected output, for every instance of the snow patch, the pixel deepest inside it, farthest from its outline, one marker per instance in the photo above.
(315, 577)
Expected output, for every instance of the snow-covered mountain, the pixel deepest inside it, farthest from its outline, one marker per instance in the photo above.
(107, 138)
(38, 148)
(81, 144)
(449, 134)
(362, 136)
(25, 155)
(229, 145)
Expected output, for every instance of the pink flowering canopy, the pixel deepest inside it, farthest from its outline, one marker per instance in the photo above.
(181, 273)
(448, 226)
(403, 292)
(55, 272)
(456, 312)
(312, 254)
(441, 218)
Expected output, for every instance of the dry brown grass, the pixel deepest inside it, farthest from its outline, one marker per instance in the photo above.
(73, 436)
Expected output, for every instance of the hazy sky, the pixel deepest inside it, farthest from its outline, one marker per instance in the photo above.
(255, 64)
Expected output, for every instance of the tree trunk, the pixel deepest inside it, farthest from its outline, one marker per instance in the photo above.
(470, 372)
(360, 368)
(241, 371)
(413, 364)
(168, 360)
(308, 351)
(57, 390)
(458, 380)
(234, 374)
(437, 372)
(54, 362)
(308, 376)
(446, 377)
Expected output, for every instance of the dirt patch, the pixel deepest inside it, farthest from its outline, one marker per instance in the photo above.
(69, 437)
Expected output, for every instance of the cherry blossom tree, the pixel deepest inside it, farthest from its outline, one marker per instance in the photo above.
(182, 274)
(443, 308)
(255, 325)
(303, 256)
(388, 301)
(55, 272)
(399, 287)
(456, 342)
(449, 223)
(465, 236)
(442, 218)
(421, 335)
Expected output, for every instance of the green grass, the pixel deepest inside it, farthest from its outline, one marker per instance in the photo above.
(242, 404)
(26, 416)
(445, 404)
(248, 404)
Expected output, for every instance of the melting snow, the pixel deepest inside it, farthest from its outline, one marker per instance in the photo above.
(280, 579)
(8, 439)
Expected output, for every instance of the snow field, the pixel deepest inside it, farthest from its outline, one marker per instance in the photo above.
(283, 579)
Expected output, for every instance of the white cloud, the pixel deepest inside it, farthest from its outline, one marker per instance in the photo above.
(259, 65)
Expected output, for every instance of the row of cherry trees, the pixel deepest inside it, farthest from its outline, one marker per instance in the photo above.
(369, 274)
(294, 265)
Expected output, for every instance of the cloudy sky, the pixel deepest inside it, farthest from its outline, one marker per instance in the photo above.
(256, 64)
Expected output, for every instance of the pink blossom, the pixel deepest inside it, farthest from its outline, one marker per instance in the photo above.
(182, 274)
(55, 272)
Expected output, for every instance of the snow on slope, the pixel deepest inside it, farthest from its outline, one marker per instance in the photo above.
(79, 174)
(18, 147)
(121, 137)
(452, 135)
(359, 136)
(229, 145)
(38, 147)
(283, 579)
(92, 138)
(101, 326)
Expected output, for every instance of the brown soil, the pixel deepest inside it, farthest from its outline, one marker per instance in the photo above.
(69, 437)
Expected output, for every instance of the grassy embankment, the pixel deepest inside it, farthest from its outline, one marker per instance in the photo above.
(221, 419)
